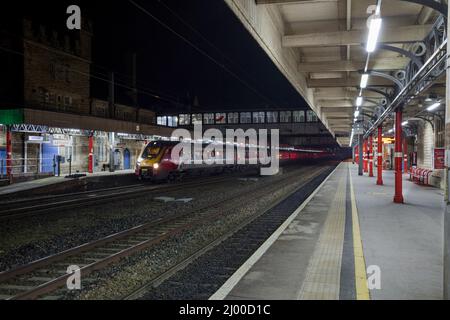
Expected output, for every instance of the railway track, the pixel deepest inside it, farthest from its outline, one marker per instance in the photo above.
(264, 215)
(48, 275)
(44, 205)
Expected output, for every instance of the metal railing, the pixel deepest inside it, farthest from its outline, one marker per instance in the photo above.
(24, 166)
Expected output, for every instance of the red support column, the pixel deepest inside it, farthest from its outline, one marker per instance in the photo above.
(405, 155)
(8, 152)
(365, 156)
(91, 154)
(371, 156)
(398, 198)
(380, 156)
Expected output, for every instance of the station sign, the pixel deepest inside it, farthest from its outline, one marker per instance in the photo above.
(61, 140)
(36, 139)
(439, 158)
(45, 138)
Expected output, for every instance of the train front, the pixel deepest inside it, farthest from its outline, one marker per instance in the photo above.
(149, 161)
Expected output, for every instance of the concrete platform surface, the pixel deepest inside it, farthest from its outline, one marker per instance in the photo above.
(39, 183)
(315, 256)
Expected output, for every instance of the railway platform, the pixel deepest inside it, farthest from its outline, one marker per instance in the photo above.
(350, 229)
(51, 184)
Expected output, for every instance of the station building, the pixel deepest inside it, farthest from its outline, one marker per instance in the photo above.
(52, 113)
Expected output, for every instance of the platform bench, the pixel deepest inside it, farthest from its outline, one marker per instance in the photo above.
(420, 175)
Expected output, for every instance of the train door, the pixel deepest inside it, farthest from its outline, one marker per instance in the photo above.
(48, 154)
(117, 159)
(126, 159)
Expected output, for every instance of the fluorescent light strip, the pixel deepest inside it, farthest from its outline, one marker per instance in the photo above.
(359, 101)
(374, 32)
(434, 106)
(364, 80)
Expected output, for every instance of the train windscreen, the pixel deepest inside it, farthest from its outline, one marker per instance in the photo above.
(151, 151)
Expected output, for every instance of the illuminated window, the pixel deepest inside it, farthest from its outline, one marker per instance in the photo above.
(259, 117)
(208, 118)
(197, 118)
(221, 118)
(184, 119)
(311, 116)
(233, 117)
(172, 121)
(246, 117)
(285, 116)
(272, 117)
(162, 121)
(298, 116)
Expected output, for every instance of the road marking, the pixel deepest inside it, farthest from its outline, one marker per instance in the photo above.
(228, 286)
(362, 291)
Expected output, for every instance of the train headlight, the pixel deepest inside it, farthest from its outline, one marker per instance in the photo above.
(155, 166)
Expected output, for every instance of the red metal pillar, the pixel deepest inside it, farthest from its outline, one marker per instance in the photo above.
(380, 156)
(365, 156)
(8, 152)
(405, 155)
(371, 156)
(398, 198)
(91, 154)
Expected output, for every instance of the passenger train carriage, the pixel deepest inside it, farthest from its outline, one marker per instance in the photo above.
(156, 163)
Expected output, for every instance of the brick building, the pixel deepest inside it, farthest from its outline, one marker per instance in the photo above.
(54, 111)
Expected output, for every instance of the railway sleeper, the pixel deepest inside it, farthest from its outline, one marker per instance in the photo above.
(51, 298)
(16, 287)
(108, 250)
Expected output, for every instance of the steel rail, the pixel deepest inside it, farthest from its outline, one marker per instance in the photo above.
(159, 279)
(45, 208)
(169, 226)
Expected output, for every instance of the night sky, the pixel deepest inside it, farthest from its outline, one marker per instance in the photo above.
(169, 67)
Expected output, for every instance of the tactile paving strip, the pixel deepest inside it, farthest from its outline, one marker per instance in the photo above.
(322, 281)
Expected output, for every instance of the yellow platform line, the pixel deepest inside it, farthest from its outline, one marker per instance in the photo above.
(362, 291)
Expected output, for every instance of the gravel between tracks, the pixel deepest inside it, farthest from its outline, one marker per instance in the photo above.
(26, 240)
(132, 272)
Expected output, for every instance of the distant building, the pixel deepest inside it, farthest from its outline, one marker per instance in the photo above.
(46, 90)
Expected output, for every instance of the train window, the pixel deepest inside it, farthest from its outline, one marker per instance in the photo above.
(258, 117)
(299, 116)
(246, 117)
(285, 116)
(168, 154)
(185, 119)
(197, 118)
(272, 117)
(233, 117)
(208, 118)
(311, 116)
(152, 151)
(221, 118)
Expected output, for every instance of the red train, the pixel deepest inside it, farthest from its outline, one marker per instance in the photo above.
(156, 163)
